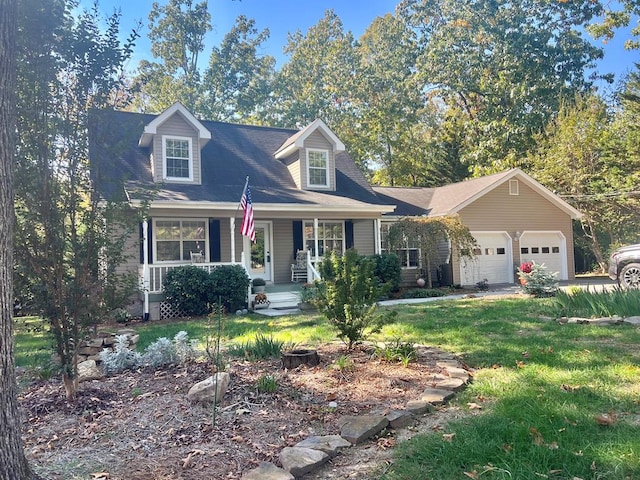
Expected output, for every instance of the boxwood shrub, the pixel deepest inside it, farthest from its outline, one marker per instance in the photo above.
(194, 291)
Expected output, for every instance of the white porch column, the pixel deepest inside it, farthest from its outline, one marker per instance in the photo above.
(315, 237)
(232, 225)
(145, 267)
(376, 236)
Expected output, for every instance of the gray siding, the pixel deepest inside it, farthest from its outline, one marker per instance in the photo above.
(179, 127)
(363, 237)
(282, 250)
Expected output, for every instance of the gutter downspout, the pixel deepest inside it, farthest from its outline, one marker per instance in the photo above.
(145, 268)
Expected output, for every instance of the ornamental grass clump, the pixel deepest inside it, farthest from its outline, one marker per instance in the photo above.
(537, 281)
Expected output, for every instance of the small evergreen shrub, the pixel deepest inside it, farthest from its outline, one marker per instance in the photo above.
(538, 281)
(230, 283)
(349, 295)
(388, 271)
(188, 289)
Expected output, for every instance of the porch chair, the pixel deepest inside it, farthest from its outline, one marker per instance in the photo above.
(299, 268)
(197, 257)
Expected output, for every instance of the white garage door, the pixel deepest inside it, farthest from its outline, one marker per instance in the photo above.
(545, 247)
(493, 260)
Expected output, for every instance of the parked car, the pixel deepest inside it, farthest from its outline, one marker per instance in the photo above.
(624, 266)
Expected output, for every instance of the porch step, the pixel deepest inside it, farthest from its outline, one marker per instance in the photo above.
(283, 299)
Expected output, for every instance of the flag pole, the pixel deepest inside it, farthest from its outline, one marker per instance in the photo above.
(243, 192)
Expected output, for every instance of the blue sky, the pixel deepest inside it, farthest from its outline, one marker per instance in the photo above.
(285, 16)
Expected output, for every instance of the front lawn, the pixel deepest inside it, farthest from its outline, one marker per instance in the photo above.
(547, 400)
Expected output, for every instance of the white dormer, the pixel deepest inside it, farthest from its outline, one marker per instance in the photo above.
(176, 139)
(310, 156)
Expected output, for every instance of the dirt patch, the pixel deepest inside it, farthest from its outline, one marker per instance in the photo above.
(140, 425)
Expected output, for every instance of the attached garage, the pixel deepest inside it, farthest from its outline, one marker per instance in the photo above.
(493, 260)
(549, 248)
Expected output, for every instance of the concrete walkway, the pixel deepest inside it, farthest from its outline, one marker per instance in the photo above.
(591, 283)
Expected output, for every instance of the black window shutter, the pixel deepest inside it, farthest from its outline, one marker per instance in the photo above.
(298, 240)
(348, 233)
(214, 240)
(149, 241)
(140, 229)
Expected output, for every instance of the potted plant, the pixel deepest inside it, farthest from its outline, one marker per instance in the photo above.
(260, 301)
(258, 285)
(308, 295)
(524, 268)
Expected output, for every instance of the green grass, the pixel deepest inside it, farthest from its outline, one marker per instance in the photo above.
(541, 386)
(33, 343)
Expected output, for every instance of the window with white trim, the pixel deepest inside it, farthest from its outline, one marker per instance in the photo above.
(177, 158)
(330, 237)
(317, 168)
(175, 240)
(409, 255)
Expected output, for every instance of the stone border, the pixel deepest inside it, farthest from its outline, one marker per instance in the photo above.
(313, 452)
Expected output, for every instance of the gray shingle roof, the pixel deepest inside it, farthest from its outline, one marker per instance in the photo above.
(120, 166)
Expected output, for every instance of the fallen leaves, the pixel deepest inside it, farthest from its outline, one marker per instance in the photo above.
(606, 419)
(186, 462)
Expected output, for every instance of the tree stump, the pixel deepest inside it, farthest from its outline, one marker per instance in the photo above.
(295, 358)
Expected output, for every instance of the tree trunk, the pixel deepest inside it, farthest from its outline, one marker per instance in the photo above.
(13, 463)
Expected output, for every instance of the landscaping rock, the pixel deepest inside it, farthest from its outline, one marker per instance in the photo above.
(300, 461)
(632, 320)
(267, 471)
(436, 396)
(399, 419)
(358, 429)
(455, 384)
(329, 444)
(210, 389)
(88, 370)
(457, 372)
(418, 407)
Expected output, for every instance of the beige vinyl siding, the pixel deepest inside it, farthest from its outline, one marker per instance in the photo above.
(282, 250)
(178, 127)
(317, 141)
(363, 237)
(293, 164)
(499, 211)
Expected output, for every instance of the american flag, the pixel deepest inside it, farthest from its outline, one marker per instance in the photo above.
(248, 228)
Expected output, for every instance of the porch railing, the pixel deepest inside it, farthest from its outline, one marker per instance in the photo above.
(157, 273)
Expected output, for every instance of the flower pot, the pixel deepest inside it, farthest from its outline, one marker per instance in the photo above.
(523, 281)
(306, 306)
(258, 289)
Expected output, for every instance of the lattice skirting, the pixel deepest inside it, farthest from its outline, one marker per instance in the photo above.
(168, 311)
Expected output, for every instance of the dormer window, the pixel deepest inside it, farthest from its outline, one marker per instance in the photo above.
(177, 158)
(318, 168)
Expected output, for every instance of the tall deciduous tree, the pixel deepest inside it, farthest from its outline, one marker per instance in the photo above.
(13, 464)
(583, 159)
(64, 232)
(177, 31)
(505, 66)
(237, 83)
(318, 80)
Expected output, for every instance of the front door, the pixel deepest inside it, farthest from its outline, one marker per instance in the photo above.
(260, 257)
